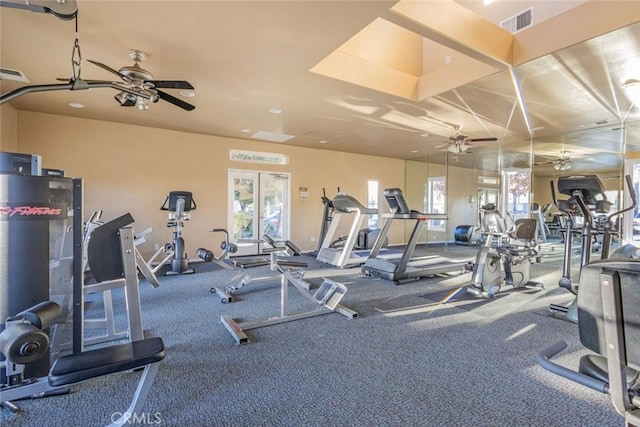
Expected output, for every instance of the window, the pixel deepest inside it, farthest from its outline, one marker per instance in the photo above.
(435, 201)
(372, 202)
(517, 189)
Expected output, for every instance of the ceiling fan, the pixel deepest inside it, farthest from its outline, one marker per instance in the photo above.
(143, 87)
(460, 144)
(561, 163)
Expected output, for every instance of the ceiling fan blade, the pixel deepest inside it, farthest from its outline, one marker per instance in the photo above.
(170, 84)
(175, 101)
(109, 69)
(481, 139)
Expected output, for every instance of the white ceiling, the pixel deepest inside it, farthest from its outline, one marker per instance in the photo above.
(245, 58)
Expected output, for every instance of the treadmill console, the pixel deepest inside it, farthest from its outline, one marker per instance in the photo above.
(345, 203)
(396, 201)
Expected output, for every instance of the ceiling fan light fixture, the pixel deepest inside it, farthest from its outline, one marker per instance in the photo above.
(562, 166)
(142, 104)
(125, 99)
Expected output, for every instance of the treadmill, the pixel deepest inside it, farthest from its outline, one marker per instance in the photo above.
(345, 256)
(406, 268)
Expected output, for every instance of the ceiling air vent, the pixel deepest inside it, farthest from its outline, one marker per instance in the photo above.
(7, 74)
(272, 137)
(518, 22)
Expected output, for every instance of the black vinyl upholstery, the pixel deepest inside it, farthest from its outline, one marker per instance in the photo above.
(104, 254)
(79, 367)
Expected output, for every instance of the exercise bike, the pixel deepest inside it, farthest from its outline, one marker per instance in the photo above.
(505, 258)
(587, 196)
(179, 204)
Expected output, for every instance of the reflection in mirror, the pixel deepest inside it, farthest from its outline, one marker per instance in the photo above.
(595, 151)
(631, 233)
(455, 184)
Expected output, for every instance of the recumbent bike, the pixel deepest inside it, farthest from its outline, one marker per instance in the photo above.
(507, 254)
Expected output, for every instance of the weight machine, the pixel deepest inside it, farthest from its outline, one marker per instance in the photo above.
(24, 341)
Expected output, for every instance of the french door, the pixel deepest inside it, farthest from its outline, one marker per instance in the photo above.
(258, 205)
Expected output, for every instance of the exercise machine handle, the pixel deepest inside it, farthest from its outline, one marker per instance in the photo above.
(543, 359)
(554, 197)
(632, 195)
(632, 191)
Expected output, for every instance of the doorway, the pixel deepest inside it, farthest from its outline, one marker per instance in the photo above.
(258, 205)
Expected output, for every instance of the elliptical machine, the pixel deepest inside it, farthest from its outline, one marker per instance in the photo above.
(179, 204)
(587, 195)
(508, 263)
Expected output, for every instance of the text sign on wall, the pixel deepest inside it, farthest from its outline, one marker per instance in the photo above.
(258, 157)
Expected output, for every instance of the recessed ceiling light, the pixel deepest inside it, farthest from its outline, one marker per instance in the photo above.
(322, 141)
(537, 128)
(245, 130)
(76, 105)
(414, 151)
(424, 135)
(275, 110)
(187, 93)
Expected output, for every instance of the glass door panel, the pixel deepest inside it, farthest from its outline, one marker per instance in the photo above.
(258, 205)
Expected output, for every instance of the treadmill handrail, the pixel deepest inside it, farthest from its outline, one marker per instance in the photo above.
(346, 203)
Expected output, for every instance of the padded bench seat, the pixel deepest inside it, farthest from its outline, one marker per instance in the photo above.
(76, 368)
(79, 367)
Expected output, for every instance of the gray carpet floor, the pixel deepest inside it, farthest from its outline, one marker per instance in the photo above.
(407, 360)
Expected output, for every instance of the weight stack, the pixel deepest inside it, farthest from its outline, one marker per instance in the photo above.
(36, 247)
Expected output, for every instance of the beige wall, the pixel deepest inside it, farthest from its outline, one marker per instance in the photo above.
(131, 169)
(8, 128)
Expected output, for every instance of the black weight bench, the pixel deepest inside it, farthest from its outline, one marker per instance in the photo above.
(76, 368)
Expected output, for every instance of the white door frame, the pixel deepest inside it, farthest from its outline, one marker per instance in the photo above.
(258, 214)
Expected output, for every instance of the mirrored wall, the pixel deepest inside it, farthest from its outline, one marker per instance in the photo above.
(579, 115)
